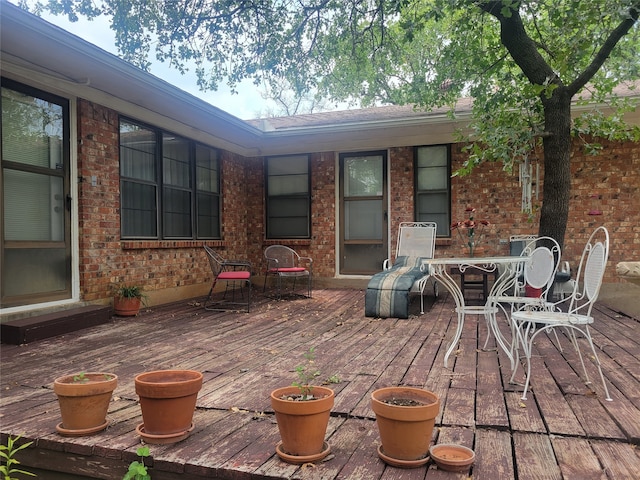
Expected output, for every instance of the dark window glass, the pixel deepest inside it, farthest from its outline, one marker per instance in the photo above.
(433, 188)
(169, 184)
(288, 197)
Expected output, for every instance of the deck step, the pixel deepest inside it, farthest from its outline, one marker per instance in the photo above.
(38, 327)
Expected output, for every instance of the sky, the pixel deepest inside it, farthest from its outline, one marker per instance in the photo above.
(246, 104)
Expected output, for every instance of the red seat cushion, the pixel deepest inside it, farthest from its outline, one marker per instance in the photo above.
(239, 275)
(288, 270)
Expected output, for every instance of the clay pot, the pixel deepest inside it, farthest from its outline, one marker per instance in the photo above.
(405, 431)
(533, 292)
(452, 458)
(302, 424)
(126, 307)
(84, 402)
(168, 400)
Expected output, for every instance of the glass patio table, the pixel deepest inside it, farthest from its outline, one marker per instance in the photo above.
(508, 268)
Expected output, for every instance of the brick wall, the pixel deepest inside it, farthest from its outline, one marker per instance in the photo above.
(101, 259)
(181, 266)
(160, 266)
(614, 175)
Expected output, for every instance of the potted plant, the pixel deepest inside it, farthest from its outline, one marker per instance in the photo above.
(127, 300)
(302, 413)
(84, 400)
(405, 417)
(167, 400)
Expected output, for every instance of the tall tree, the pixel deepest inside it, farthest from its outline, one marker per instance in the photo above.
(526, 63)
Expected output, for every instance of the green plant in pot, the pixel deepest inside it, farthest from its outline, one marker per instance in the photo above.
(405, 417)
(84, 399)
(302, 413)
(127, 300)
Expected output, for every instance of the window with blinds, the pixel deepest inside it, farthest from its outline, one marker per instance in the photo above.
(170, 185)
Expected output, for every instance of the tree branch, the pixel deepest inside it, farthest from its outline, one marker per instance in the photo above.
(521, 47)
(606, 49)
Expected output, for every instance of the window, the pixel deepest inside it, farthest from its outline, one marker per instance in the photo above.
(288, 198)
(433, 188)
(169, 184)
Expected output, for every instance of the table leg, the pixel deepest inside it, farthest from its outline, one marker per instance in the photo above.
(504, 281)
(442, 275)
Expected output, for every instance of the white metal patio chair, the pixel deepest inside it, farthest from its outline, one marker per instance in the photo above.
(532, 286)
(573, 313)
(563, 283)
(517, 244)
(284, 262)
(416, 239)
(231, 272)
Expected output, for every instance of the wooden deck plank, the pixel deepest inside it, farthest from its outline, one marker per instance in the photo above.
(491, 410)
(494, 454)
(343, 441)
(264, 437)
(459, 407)
(243, 356)
(466, 364)
(363, 461)
(553, 405)
(620, 379)
(594, 418)
(620, 460)
(575, 460)
(535, 458)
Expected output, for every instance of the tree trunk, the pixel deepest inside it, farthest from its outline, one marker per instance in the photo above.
(557, 165)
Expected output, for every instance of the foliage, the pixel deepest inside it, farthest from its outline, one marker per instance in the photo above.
(523, 62)
(80, 378)
(83, 378)
(335, 378)
(8, 454)
(307, 373)
(130, 291)
(137, 469)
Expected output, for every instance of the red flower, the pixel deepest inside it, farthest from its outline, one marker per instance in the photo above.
(470, 225)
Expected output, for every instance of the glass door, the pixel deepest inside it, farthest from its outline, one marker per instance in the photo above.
(35, 226)
(363, 213)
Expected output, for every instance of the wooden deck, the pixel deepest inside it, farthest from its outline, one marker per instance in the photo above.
(563, 431)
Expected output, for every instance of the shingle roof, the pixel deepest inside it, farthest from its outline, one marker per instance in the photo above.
(344, 117)
(391, 112)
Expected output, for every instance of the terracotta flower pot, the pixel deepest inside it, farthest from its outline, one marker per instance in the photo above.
(451, 457)
(302, 424)
(126, 307)
(168, 400)
(84, 402)
(405, 431)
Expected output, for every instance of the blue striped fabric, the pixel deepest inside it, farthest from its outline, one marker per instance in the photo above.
(387, 294)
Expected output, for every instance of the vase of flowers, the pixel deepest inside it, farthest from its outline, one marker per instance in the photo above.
(471, 231)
